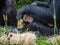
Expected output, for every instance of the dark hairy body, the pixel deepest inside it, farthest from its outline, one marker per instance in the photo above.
(7, 8)
(42, 15)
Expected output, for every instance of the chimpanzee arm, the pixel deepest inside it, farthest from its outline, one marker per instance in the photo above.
(44, 30)
(40, 4)
(20, 11)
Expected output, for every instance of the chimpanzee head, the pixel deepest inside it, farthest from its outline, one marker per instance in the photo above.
(26, 14)
(27, 18)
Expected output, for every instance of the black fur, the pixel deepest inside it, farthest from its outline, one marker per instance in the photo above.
(7, 7)
(42, 16)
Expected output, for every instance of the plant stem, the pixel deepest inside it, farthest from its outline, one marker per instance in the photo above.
(54, 16)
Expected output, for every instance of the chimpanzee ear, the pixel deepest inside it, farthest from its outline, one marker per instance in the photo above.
(7, 33)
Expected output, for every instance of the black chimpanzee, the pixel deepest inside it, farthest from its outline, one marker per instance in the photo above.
(40, 16)
(7, 8)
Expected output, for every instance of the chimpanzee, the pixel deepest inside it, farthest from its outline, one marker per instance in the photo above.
(7, 8)
(41, 18)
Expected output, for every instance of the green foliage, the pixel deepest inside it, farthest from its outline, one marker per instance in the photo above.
(58, 41)
(1, 31)
(20, 3)
(42, 41)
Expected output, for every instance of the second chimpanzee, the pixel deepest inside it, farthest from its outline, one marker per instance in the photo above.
(40, 18)
(7, 8)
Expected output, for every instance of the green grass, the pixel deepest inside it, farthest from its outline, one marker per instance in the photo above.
(40, 41)
(43, 41)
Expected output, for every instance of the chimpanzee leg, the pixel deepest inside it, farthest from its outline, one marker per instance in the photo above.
(11, 16)
(44, 30)
(2, 20)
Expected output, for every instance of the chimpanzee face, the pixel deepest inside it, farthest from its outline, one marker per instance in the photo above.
(27, 18)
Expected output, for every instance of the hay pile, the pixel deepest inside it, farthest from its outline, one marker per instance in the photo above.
(26, 38)
(54, 40)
